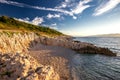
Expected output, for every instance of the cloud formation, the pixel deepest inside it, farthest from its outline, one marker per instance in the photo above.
(24, 20)
(63, 4)
(49, 16)
(70, 7)
(82, 5)
(35, 21)
(103, 8)
(79, 8)
(75, 8)
(13, 3)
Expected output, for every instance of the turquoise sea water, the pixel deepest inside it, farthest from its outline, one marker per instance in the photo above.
(95, 66)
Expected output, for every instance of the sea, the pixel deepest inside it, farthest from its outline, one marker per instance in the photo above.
(96, 66)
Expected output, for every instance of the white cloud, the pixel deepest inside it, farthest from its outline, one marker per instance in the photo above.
(82, 5)
(37, 20)
(12, 3)
(35, 7)
(79, 8)
(74, 17)
(53, 9)
(24, 20)
(63, 4)
(103, 8)
(67, 0)
(49, 16)
(54, 24)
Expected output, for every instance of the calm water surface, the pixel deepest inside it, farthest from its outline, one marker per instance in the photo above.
(97, 67)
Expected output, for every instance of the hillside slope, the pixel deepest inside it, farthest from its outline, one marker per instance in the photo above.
(8, 23)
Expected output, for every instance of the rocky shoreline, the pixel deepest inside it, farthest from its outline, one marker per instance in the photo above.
(15, 57)
(81, 47)
(21, 42)
(24, 67)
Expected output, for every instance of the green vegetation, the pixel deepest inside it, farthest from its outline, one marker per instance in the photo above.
(7, 23)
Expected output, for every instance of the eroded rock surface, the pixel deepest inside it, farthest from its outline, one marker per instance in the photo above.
(21, 42)
(14, 65)
(15, 42)
(81, 47)
(23, 67)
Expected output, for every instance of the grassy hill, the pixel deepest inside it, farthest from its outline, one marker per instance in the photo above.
(8, 23)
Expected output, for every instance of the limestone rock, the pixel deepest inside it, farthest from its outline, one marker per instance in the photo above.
(18, 42)
(81, 47)
(24, 67)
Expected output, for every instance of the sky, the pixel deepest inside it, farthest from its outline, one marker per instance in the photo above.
(72, 17)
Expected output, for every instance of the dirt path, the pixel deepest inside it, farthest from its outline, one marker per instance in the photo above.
(57, 57)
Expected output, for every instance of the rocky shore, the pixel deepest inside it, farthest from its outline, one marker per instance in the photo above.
(21, 42)
(24, 67)
(17, 64)
(80, 47)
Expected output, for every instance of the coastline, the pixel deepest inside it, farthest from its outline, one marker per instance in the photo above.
(40, 53)
(80, 47)
(54, 51)
(58, 57)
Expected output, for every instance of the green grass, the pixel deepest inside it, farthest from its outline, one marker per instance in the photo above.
(7, 23)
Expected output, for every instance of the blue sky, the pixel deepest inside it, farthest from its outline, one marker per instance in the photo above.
(72, 17)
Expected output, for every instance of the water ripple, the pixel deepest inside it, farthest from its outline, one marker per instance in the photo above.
(97, 67)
